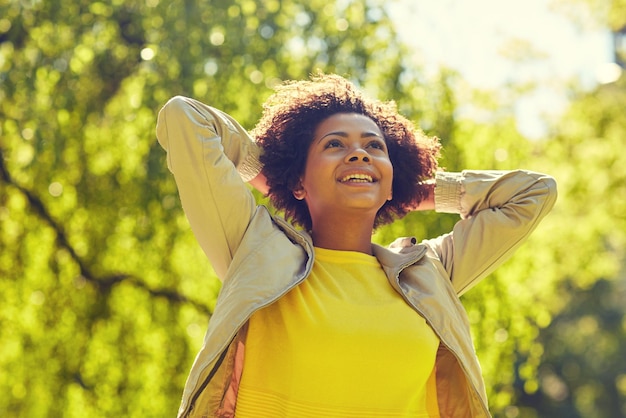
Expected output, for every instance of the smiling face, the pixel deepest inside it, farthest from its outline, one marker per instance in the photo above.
(348, 170)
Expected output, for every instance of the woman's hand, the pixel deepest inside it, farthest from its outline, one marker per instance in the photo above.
(429, 202)
(260, 183)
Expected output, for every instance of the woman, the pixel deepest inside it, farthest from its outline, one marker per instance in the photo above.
(314, 320)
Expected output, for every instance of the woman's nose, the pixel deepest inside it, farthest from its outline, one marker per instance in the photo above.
(358, 154)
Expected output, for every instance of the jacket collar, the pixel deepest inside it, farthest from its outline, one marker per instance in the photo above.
(402, 252)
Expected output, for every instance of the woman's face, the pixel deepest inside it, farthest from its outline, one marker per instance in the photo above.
(348, 170)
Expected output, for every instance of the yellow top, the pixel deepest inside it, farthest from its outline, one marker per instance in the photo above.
(341, 344)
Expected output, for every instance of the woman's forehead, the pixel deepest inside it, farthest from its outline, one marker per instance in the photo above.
(343, 122)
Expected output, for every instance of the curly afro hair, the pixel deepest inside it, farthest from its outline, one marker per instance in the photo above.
(286, 128)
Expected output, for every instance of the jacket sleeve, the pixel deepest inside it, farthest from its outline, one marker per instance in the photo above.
(211, 157)
(499, 210)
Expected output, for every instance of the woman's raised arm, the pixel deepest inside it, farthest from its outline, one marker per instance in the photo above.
(211, 157)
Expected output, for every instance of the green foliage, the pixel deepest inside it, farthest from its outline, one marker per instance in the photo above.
(583, 369)
(106, 294)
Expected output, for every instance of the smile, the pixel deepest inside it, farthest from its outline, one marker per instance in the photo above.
(357, 178)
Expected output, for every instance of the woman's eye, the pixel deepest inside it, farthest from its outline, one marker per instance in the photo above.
(377, 145)
(333, 143)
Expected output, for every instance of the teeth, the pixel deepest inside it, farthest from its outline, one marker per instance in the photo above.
(361, 178)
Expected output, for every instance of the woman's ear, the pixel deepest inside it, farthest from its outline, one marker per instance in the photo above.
(299, 193)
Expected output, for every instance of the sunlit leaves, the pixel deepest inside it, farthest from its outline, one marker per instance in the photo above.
(106, 292)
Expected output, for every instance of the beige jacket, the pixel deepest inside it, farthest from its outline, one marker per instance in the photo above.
(261, 257)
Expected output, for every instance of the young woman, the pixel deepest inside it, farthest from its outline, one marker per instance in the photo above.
(313, 319)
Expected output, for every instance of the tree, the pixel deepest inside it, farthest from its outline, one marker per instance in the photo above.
(105, 292)
(582, 371)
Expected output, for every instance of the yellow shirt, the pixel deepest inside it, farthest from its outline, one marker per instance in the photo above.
(341, 344)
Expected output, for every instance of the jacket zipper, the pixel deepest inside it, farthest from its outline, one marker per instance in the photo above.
(206, 381)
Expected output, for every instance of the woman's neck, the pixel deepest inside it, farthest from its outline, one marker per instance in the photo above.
(341, 234)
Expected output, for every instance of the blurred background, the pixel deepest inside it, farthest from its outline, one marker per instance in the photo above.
(104, 293)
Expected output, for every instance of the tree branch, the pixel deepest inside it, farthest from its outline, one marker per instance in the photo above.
(103, 284)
